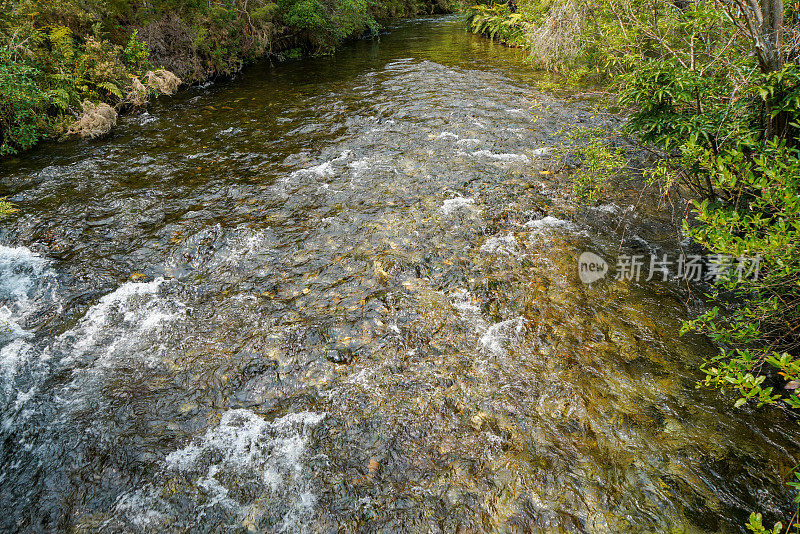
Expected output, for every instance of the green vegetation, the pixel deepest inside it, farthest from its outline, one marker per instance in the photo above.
(6, 208)
(597, 158)
(496, 21)
(62, 57)
(715, 89)
(21, 102)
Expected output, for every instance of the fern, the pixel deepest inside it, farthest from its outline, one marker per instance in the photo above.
(6, 208)
(62, 45)
(495, 21)
(111, 88)
(59, 97)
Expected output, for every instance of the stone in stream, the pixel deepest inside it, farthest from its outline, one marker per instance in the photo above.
(343, 355)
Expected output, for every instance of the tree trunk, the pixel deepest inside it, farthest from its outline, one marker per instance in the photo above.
(763, 23)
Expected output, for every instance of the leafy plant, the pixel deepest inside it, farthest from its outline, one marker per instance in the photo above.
(136, 54)
(6, 208)
(496, 21)
(762, 326)
(597, 158)
(22, 102)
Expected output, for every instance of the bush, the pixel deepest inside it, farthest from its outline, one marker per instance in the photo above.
(22, 102)
(136, 54)
(762, 325)
(597, 158)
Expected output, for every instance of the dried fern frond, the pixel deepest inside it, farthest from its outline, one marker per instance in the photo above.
(95, 121)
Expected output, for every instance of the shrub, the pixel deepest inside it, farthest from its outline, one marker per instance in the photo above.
(136, 54)
(22, 102)
(762, 325)
(597, 158)
(306, 15)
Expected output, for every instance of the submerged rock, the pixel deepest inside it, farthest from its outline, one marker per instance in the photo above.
(343, 356)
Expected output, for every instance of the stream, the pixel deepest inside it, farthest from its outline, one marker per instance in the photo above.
(341, 294)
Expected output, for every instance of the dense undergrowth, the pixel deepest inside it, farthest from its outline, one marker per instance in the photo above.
(714, 88)
(60, 58)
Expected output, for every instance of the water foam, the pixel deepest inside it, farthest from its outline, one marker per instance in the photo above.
(497, 335)
(118, 320)
(457, 204)
(324, 169)
(244, 451)
(492, 338)
(27, 282)
(505, 245)
(499, 157)
(613, 208)
(468, 141)
(548, 222)
(19, 269)
(469, 312)
(10, 329)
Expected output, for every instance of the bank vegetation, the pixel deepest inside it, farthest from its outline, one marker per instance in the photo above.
(69, 66)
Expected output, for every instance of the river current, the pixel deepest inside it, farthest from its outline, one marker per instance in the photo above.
(341, 295)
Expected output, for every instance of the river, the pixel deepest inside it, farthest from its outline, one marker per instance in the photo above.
(341, 294)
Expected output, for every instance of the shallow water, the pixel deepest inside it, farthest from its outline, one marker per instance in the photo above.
(337, 294)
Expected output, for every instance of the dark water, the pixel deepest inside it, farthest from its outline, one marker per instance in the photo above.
(339, 295)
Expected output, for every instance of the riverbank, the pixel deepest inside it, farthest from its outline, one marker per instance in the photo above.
(69, 68)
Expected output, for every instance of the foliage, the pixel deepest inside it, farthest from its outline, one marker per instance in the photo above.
(48, 71)
(755, 525)
(6, 208)
(597, 157)
(305, 14)
(717, 134)
(136, 54)
(763, 325)
(325, 24)
(22, 101)
(496, 21)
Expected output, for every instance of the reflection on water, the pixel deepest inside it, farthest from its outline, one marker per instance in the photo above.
(337, 294)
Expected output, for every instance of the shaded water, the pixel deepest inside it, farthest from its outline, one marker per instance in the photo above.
(338, 295)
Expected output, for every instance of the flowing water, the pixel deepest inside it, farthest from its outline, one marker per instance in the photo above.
(340, 294)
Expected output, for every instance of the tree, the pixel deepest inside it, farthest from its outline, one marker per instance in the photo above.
(762, 21)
